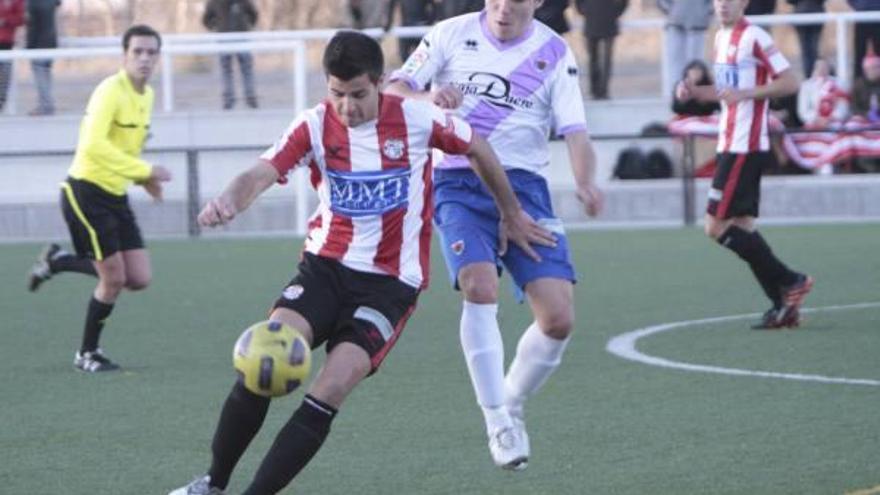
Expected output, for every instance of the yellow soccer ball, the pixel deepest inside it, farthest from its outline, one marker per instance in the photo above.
(272, 359)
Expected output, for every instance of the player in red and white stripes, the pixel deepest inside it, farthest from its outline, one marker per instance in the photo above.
(749, 70)
(367, 252)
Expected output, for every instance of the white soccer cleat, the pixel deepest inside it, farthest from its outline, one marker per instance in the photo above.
(509, 448)
(198, 486)
(520, 426)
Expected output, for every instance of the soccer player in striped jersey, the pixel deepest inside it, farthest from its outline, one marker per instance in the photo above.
(749, 70)
(515, 81)
(367, 251)
(103, 228)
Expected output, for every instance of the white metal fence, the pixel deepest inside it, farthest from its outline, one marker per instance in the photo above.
(294, 42)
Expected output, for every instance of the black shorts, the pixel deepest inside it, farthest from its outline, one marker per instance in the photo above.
(736, 186)
(100, 223)
(345, 305)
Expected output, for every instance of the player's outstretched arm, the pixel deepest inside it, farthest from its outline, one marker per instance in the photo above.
(516, 224)
(238, 195)
(583, 166)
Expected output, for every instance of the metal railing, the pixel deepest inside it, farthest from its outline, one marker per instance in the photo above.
(300, 180)
(294, 42)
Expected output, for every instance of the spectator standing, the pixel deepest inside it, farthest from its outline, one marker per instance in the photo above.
(11, 16)
(686, 24)
(42, 32)
(600, 29)
(412, 13)
(867, 33)
(809, 35)
(552, 13)
(452, 8)
(229, 16)
(368, 13)
(761, 7)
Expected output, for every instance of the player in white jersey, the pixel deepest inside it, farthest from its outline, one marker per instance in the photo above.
(514, 80)
(367, 252)
(748, 71)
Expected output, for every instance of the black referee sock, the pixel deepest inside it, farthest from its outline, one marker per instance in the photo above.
(294, 447)
(96, 314)
(241, 419)
(771, 273)
(72, 263)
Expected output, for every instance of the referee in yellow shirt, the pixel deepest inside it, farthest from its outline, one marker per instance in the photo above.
(102, 226)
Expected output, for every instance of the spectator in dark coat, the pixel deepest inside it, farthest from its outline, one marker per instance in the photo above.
(229, 16)
(42, 32)
(412, 13)
(552, 13)
(11, 17)
(452, 8)
(600, 29)
(761, 7)
(866, 33)
(808, 34)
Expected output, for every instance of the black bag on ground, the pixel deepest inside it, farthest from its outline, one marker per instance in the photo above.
(658, 164)
(631, 164)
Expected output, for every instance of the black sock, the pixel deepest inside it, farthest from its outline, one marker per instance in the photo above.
(95, 317)
(771, 273)
(241, 419)
(72, 263)
(294, 447)
(771, 289)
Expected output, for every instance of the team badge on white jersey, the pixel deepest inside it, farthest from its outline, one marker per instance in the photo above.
(393, 149)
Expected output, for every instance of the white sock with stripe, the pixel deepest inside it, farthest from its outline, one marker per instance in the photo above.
(537, 357)
(484, 354)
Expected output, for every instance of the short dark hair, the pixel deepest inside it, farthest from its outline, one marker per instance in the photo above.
(139, 30)
(350, 54)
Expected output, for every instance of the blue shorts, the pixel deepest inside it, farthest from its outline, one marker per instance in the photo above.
(467, 219)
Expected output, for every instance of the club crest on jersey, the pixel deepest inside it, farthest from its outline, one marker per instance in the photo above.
(292, 292)
(457, 247)
(393, 149)
(359, 194)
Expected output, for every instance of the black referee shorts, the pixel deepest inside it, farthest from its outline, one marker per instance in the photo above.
(100, 223)
(736, 186)
(369, 310)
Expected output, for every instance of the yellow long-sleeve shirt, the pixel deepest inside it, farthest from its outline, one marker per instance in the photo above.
(112, 135)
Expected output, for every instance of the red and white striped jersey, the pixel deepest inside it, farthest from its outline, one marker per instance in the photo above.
(373, 182)
(745, 57)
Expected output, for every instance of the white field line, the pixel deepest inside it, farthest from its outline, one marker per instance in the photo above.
(624, 346)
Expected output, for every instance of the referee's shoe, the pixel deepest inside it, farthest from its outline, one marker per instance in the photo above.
(42, 269)
(93, 361)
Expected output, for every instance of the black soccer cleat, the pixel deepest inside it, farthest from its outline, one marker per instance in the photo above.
(93, 361)
(794, 294)
(779, 318)
(42, 269)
